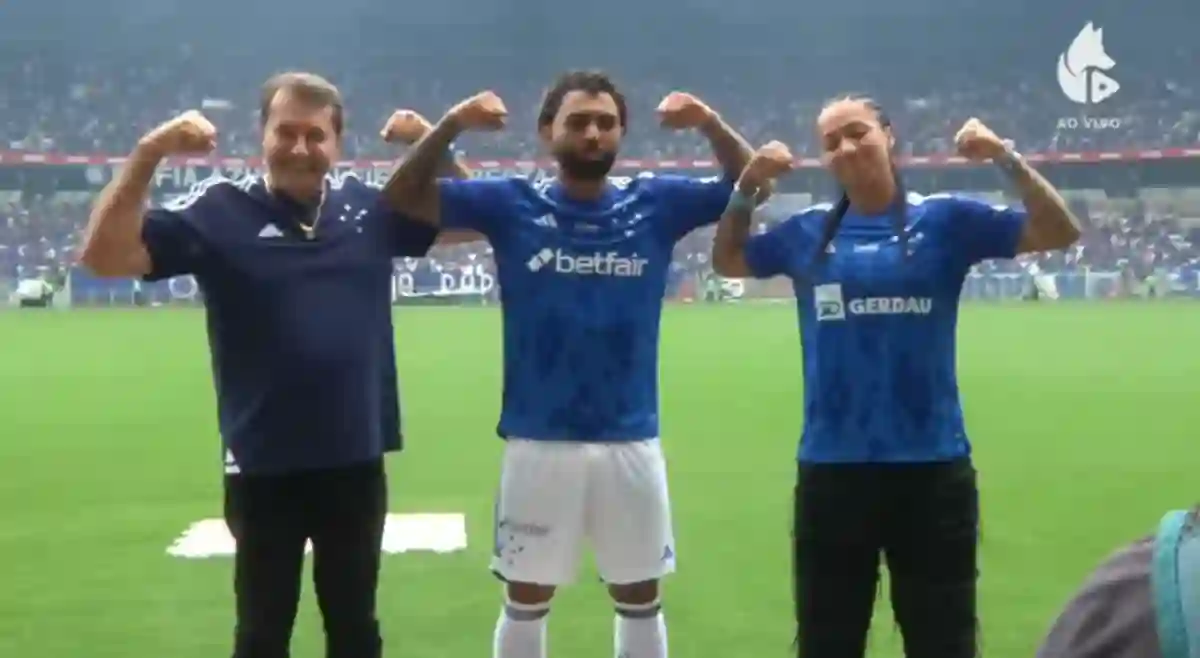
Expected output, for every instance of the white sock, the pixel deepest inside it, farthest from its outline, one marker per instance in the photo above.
(521, 631)
(641, 631)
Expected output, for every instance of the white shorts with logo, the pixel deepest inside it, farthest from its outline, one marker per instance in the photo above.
(556, 497)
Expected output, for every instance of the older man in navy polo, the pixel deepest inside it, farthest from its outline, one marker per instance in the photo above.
(295, 268)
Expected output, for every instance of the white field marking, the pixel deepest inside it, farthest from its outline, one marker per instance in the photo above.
(402, 533)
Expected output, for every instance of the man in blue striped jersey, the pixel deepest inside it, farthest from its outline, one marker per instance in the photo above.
(582, 265)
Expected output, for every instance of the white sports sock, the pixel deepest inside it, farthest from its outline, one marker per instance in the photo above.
(641, 631)
(521, 631)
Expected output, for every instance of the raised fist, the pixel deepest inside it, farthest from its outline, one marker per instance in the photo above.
(189, 133)
(405, 127)
(770, 161)
(680, 110)
(977, 142)
(483, 111)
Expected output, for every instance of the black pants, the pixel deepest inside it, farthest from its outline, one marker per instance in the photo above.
(272, 517)
(923, 519)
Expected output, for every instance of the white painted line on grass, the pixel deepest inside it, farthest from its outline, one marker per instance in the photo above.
(402, 533)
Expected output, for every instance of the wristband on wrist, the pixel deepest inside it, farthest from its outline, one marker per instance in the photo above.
(740, 201)
(1009, 161)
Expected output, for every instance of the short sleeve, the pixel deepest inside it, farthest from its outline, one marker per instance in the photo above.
(406, 236)
(982, 231)
(484, 205)
(689, 203)
(172, 235)
(771, 254)
(411, 237)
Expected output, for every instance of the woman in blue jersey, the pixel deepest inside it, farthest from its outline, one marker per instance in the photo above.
(884, 462)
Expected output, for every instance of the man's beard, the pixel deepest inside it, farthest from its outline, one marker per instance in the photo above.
(579, 168)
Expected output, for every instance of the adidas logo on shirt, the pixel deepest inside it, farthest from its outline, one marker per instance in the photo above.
(231, 465)
(270, 231)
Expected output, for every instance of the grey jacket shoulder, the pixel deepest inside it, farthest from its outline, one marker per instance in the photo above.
(1112, 614)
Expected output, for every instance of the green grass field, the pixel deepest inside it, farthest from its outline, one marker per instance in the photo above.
(1083, 418)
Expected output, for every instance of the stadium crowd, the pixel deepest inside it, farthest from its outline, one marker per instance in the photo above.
(99, 106)
(80, 94)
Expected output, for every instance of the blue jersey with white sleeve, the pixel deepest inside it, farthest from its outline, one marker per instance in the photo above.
(877, 327)
(582, 285)
(301, 331)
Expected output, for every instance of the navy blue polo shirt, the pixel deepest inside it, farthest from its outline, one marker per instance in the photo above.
(300, 329)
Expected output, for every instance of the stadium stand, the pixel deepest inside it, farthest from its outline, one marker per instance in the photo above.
(68, 111)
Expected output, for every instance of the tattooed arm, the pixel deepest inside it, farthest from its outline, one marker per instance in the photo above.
(1051, 224)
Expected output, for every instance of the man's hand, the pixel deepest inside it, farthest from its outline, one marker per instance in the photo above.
(483, 111)
(189, 133)
(977, 143)
(405, 127)
(770, 161)
(682, 111)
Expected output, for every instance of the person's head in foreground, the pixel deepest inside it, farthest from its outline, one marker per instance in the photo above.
(1142, 602)
(302, 118)
(581, 122)
(858, 148)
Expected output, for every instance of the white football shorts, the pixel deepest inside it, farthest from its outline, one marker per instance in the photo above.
(555, 496)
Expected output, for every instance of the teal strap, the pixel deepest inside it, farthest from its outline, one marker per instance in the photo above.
(739, 201)
(1189, 585)
(1165, 581)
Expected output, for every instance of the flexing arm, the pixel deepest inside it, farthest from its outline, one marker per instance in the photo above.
(113, 244)
(412, 189)
(407, 127)
(733, 153)
(731, 150)
(680, 110)
(112, 240)
(1051, 224)
(733, 231)
(449, 165)
(453, 166)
